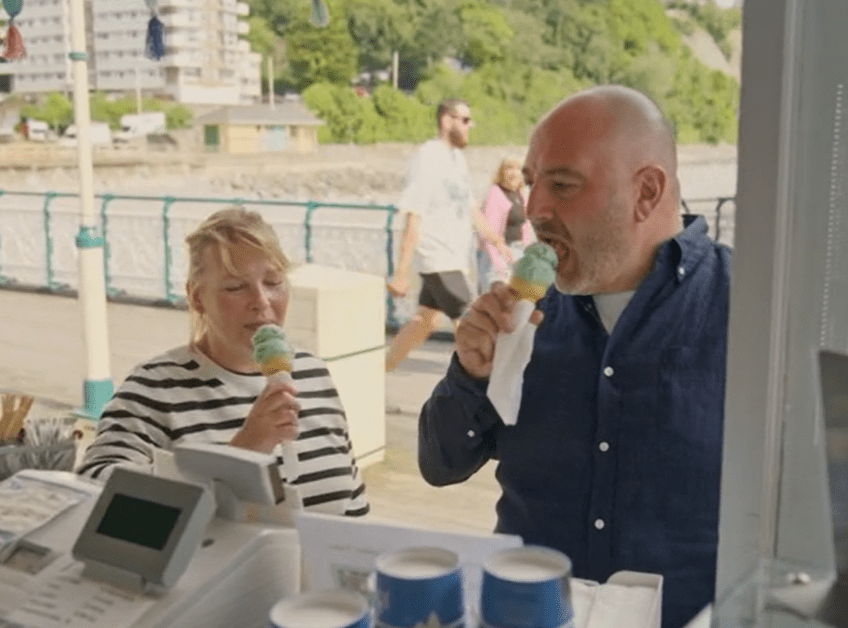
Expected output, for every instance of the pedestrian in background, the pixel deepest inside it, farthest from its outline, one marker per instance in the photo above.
(440, 219)
(504, 210)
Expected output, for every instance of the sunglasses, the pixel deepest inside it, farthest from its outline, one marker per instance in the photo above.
(463, 119)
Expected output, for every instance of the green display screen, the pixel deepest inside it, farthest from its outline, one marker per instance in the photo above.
(139, 521)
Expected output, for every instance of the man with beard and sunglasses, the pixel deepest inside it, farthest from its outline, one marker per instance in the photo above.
(615, 457)
(440, 221)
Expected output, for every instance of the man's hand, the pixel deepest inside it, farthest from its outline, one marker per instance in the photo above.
(398, 286)
(490, 314)
(272, 419)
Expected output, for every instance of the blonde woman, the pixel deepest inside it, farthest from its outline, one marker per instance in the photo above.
(504, 211)
(211, 390)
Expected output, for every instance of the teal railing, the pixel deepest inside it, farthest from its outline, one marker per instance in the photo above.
(19, 240)
(146, 233)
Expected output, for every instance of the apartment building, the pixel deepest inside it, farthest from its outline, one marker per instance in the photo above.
(205, 62)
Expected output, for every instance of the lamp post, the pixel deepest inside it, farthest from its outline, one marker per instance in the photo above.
(97, 386)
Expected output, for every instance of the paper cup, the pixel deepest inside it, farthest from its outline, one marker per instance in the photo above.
(419, 586)
(526, 587)
(335, 608)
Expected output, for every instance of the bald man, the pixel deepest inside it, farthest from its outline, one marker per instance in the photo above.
(615, 458)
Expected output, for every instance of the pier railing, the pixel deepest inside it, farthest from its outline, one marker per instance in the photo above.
(144, 256)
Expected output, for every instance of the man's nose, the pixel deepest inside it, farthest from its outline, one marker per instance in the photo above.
(537, 205)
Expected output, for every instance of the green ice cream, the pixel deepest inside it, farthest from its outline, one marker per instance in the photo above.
(271, 349)
(537, 265)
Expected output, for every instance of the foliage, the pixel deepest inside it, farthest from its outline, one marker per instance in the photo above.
(388, 115)
(261, 37)
(322, 54)
(511, 59)
(378, 28)
(58, 111)
(486, 33)
(178, 117)
(716, 21)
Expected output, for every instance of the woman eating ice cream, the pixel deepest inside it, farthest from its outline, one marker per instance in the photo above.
(212, 390)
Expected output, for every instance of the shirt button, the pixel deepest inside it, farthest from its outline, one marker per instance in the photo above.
(599, 524)
(608, 371)
(681, 271)
(471, 434)
(603, 446)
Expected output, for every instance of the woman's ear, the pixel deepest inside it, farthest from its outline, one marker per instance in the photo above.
(651, 182)
(193, 298)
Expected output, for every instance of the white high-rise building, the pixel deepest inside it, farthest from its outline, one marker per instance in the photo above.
(205, 60)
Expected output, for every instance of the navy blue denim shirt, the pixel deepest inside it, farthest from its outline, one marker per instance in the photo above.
(616, 455)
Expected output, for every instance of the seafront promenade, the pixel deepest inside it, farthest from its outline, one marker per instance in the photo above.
(41, 353)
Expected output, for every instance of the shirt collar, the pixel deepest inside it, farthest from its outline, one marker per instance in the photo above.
(685, 250)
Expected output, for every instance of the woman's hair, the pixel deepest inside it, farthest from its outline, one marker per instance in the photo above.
(226, 229)
(500, 173)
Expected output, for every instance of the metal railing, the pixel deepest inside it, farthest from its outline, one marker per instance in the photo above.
(143, 254)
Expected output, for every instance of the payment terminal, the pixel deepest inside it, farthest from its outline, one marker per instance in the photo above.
(140, 552)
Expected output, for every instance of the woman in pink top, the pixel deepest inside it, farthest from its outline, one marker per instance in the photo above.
(504, 210)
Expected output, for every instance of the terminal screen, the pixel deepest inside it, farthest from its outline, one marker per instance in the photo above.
(139, 521)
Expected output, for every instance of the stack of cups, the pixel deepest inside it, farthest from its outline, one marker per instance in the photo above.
(421, 587)
(526, 587)
(334, 608)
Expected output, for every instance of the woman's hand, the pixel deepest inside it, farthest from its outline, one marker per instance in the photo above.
(271, 420)
(505, 251)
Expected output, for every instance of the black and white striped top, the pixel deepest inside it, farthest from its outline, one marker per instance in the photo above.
(183, 396)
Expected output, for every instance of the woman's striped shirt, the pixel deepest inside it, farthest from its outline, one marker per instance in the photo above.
(182, 396)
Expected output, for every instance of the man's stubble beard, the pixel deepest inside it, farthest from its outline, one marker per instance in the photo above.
(602, 252)
(457, 139)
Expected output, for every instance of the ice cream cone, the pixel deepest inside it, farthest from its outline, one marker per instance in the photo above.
(526, 290)
(275, 364)
(534, 272)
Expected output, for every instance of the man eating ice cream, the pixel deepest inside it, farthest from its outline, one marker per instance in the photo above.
(615, 456)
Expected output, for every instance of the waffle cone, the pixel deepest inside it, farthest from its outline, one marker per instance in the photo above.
(275, 365)
(526, 290)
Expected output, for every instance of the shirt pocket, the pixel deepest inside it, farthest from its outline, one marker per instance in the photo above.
(691, 394)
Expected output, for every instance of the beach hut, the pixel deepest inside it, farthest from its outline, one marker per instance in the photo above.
(249, 129)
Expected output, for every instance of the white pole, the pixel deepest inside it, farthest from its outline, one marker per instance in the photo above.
(97, 387)
(270, 82)
(137, 90)
(395, 64)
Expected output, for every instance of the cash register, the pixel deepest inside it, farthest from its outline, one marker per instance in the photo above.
(144, 551)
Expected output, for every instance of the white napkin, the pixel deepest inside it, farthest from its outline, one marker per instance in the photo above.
(290, 459)
(512, 353)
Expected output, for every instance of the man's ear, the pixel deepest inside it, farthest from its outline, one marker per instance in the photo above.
(651, 184)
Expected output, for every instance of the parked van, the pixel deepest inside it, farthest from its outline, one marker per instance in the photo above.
(36, 130)
(99, 133)
(139, 124)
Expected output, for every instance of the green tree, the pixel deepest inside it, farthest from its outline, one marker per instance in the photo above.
(405, 118)
(486, 34)
(178, 117)
(261, 37)
(280, 15)
(338, 107)
(437, 33)
(322, 54)
(378, 27)
(55, 109)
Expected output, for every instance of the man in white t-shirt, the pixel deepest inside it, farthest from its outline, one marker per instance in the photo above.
(439, 225)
